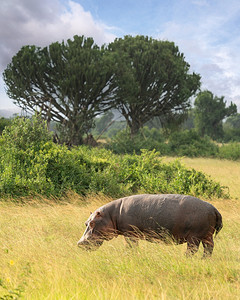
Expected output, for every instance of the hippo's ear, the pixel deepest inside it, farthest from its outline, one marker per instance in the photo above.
(98, 214)
(90, 213)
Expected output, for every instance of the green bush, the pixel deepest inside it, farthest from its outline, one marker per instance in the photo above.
(190, 143)
(32, 164)
(182, 143)
(25, 133)
(230, 151)
(3, 123)
(146, 173)
(21, 168)
(231, 135)
(149, 139)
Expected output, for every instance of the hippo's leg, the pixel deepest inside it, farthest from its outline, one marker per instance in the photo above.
(192, 246)
(208, 245)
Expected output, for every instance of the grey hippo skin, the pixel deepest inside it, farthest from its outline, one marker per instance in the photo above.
(172, 217)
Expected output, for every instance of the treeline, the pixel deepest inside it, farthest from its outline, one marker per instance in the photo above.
(32, 164)
(114, 136)
(76, 85)
(211, 129)
(209, 116)
(73, 82)
(179, 143)
(184, 141)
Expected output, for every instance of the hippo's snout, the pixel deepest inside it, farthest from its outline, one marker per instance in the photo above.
(87, 245)
(81, 243)
(99, 228)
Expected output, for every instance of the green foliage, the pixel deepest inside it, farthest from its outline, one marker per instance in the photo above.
(149, 139)
(152, 79)
(3, 123)
(190, 143)
(102, 123)
(233, 122)
(231, 135)
(148, 174)
(70, 82)
(232, 129)
(180, 143)
(115, 128)
(26, 133)
(193, 182)
(230, 151)
(21, 167)
(32, 164)
(209, 113)
(189, 121)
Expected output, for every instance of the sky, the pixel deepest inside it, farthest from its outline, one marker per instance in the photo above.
(207, 32)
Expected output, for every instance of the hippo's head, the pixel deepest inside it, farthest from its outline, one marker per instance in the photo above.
(99, 228)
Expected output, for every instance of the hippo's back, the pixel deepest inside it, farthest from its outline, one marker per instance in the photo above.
(168, 211)
(155, 204)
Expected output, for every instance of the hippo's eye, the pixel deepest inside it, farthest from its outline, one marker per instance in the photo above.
(91, 224)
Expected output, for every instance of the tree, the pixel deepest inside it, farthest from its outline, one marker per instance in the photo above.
(152, 79)
(231, 128)
(233, 122)
(209, 113)
(69, 83)
(3, 123)
(189, 122)
(25, 134)
(103, 122)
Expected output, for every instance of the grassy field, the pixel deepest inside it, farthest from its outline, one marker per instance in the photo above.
(39, 258)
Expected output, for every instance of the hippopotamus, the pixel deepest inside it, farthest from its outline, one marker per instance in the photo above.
(154, 217)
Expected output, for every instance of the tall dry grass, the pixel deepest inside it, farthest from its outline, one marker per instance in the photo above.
(39, 258)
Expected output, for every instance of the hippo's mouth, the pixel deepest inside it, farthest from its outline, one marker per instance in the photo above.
(90, 246)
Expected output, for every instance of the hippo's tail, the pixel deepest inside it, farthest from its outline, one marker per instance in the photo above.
(219, 223)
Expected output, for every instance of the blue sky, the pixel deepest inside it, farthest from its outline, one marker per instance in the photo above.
(206, 31)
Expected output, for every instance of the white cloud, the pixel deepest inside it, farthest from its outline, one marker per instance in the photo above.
(28, 22)
(43, 22)
(211, 48)
(206, 31)
(79, 21)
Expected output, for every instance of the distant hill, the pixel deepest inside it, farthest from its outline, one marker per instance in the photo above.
(7, 113)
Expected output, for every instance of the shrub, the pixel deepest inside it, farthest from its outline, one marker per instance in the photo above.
(148, 174)
(231, 135)
(230, 151)
(32, 164)
(189, 143)
(21, 168)
(25, 133)
(149, 139)
(182, 143)
(3, 123)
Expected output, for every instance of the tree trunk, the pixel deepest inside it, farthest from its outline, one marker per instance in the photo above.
(76, 137)
(134, 128)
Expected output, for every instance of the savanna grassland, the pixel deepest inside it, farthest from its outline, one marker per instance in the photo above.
(39, 258)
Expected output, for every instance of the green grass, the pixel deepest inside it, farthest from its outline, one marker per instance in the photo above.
(39, 257)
